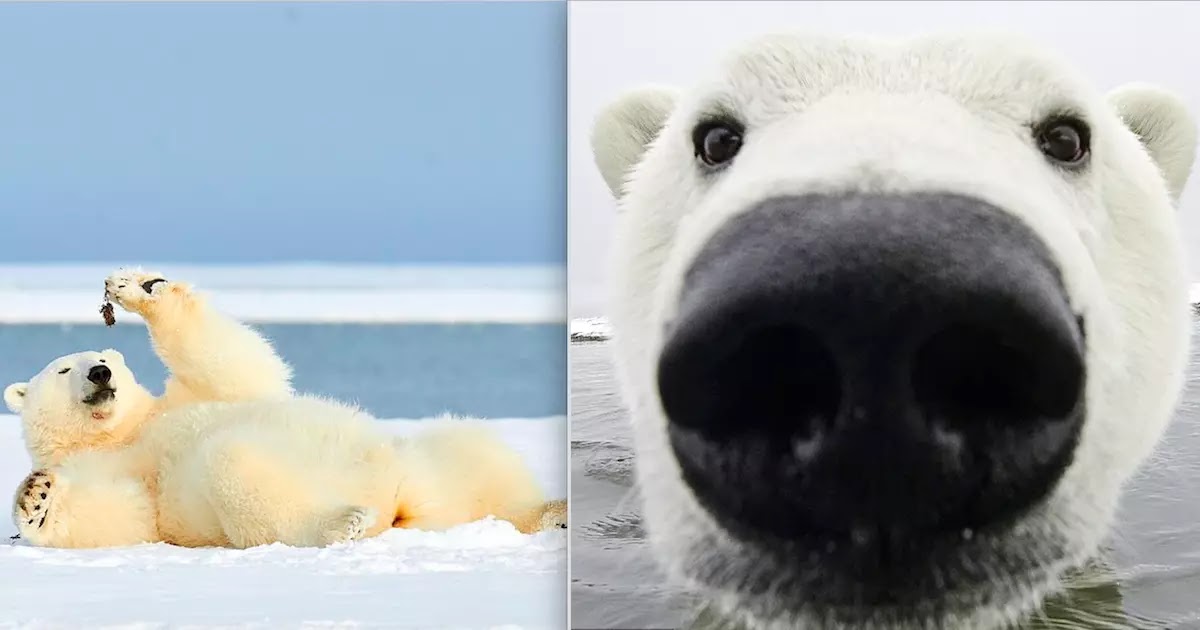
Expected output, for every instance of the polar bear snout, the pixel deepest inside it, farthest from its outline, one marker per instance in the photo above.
(99, 374)
(101, 388)
(873, 369)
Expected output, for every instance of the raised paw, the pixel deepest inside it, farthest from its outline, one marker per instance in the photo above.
(350, 524)
(33, 505)
(134, 289)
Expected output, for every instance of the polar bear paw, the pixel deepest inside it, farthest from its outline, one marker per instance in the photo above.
(33, 505)
(348, 525)
(539, 518)
(136, 290)
(554, 515)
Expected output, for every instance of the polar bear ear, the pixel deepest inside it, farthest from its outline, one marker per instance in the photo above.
(1166, 128)
(624, 129)
(14, 396)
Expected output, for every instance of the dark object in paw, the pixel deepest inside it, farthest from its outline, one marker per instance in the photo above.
(106, 310)
(149, 284)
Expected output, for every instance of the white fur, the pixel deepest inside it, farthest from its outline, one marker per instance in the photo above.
(55, 419)
(949, 114)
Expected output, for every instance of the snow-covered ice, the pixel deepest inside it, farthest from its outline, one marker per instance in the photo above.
(590, 329)
(312, 293)
(480, 575)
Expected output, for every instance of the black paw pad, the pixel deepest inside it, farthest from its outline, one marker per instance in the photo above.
(149, 284)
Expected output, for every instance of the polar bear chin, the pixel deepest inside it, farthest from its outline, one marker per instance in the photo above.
(837, 130)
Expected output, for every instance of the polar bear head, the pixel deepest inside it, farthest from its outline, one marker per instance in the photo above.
(895, 320)
(76, 401)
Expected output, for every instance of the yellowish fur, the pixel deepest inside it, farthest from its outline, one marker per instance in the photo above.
(49, 442)
(302, 471)
(211, 356)
(208, 356)
(456, 471)
(262, 466)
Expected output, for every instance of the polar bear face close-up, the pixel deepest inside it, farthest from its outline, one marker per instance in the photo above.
(895, 321)
(74, 397)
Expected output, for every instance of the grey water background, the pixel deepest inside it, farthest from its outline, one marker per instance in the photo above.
(391, 370)
(1149, 576)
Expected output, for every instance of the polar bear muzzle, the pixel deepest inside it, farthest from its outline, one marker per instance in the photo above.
(101, 377)
(880, 373)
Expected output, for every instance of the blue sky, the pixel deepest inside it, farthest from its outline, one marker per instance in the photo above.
(399, 132)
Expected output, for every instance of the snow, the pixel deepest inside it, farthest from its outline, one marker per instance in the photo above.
(480, 575)
(590, 329)
(304, 293)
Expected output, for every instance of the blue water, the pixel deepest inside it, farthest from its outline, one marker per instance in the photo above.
(392, 370)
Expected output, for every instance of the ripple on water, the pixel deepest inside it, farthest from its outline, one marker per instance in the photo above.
(1150, 580)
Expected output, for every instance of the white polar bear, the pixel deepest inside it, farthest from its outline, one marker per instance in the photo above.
(895, 320)
(91, 400)
(250, 470)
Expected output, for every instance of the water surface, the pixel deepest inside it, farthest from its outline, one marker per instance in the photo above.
(392, 370)
(1149, 576)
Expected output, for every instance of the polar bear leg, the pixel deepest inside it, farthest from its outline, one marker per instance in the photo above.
(210, 356)
(261, 497)
(467, 473)
(91, 500)
(548, 515)
(338, 526)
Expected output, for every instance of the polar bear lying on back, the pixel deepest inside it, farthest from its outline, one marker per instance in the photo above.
(91, 400)
(229, 457)
(896, 321)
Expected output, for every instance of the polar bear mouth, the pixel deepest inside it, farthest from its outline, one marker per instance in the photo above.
(881, 573)
(101, 395)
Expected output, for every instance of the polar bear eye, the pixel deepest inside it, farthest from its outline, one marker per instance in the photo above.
(1064, 140)
(64, 370)
(717, 142)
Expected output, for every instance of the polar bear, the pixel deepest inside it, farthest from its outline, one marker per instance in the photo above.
(895, 320)
(91, 400)
(247, 471)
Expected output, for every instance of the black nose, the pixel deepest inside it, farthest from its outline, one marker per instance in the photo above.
(850, 366)
(100, 375)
